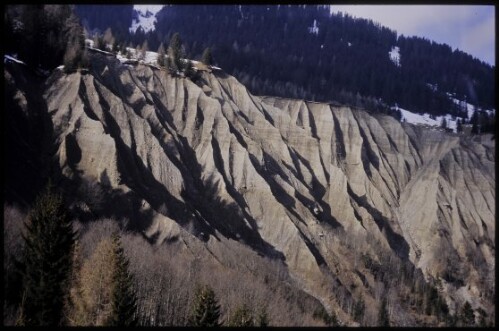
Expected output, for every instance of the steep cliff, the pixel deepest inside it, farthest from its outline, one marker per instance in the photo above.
(319, 187)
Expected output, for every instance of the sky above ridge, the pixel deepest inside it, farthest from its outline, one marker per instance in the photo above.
(470, 28)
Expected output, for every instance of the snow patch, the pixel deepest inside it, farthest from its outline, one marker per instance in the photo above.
(470, 109)
(425, 119)
(433, 87)
(146, 17)
(395, 55)
(314, 28)
(151, 58)
(11, 58)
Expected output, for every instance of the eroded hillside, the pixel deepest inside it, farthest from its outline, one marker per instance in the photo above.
(347, 200)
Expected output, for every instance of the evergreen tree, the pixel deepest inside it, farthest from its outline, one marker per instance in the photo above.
(467, 315)
(144, 49)
(359, 309)
(99, 42)
(47, 260)
(474, 122)
(383, 318)
(161, 56)
(207, 57)
(332, 319)
(138, 53)
(123, 297)
(431, 300)
(459, 126)
(329, 320)
(190, 71)
(75, 55)
(242, 317)
(482, 322)
(206, 310)
(443, 124)
(263, 317)
(175, 54)
(108, 38)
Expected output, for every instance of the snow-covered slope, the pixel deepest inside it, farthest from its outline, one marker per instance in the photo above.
(425, 119)
(469, 107)
(146, 17)
(150, 57)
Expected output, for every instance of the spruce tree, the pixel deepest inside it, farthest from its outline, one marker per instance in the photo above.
(359, 309)
(75, 55)
(443, 124)
(47, 260)
(263, 317)
(467, 315)
(144, 49)
(383, 318)
(459, 126)
(190, 71)
(207, 58)
(161, 56)
(123, 297)
(99, 42)
(242, 317)
(482, 319)
(206, 310)
(138, 53)
(175, 54)
(108, 38)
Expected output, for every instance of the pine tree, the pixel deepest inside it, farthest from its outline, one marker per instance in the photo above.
(206, 310)
(47, 260)
(242, 317)
(123, 297)
(383, 318)
(161, 56)
(207, 58)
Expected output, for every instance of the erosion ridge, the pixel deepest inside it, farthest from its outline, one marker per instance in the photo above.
(286, 177)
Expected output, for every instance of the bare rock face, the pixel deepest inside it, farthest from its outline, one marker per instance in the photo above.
(286, 177)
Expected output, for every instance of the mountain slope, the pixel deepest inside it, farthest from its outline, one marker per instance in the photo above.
(309, 53)
(343, 198)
